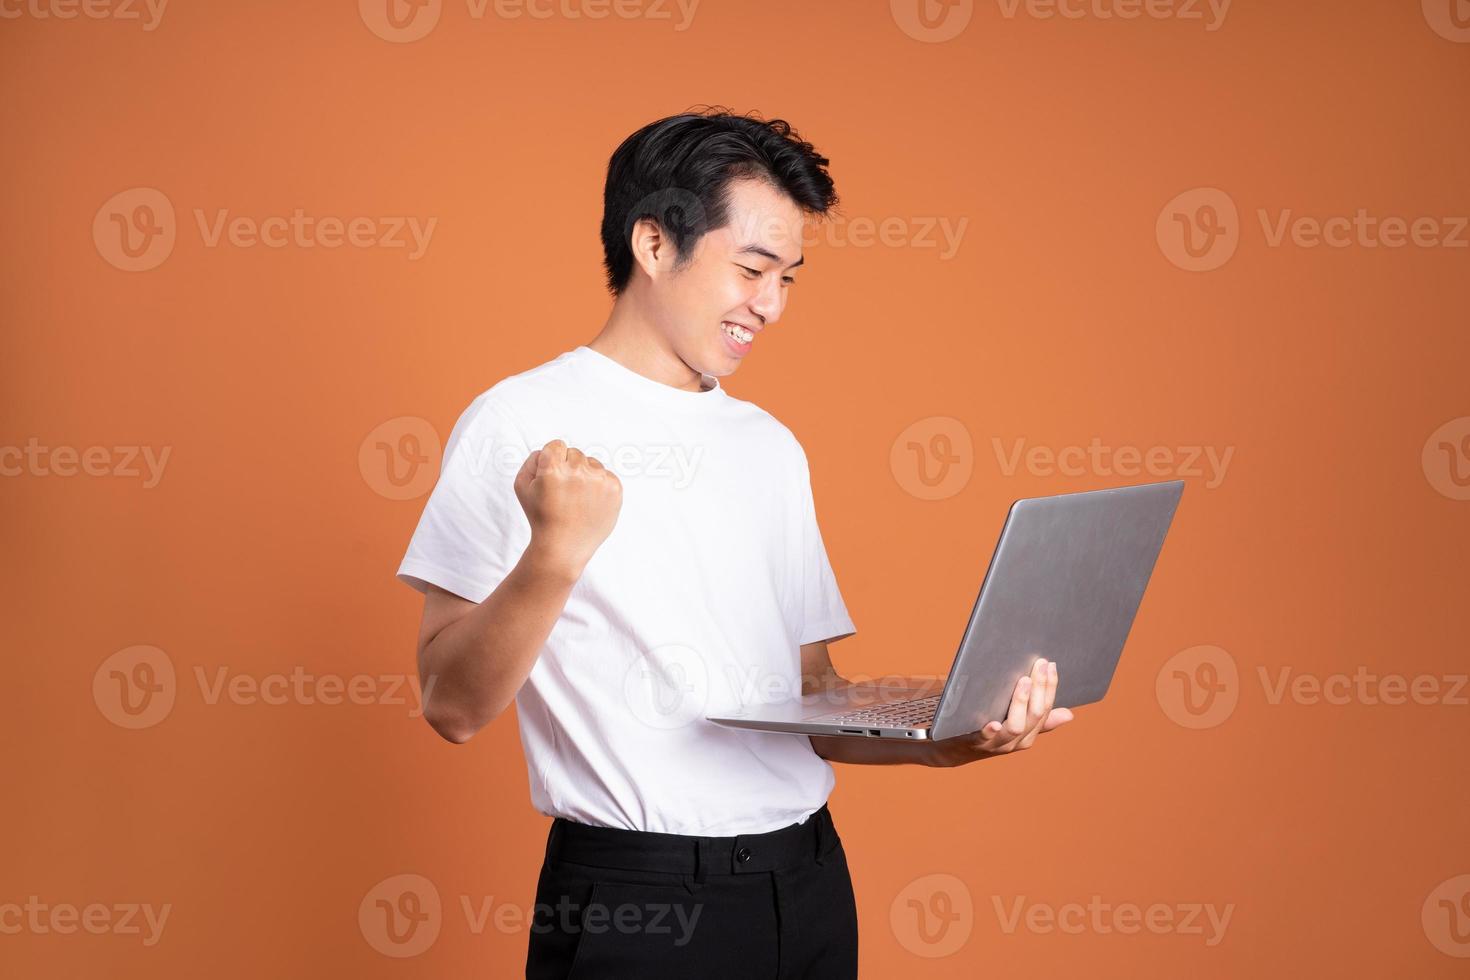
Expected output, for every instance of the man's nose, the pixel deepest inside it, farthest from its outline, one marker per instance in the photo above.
(766, 304)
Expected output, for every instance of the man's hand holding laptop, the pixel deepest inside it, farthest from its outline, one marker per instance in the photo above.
(1031, 714)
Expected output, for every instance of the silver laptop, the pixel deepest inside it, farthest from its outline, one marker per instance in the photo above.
(1064, 583)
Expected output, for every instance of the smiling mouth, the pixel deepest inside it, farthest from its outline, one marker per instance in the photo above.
(737, 333)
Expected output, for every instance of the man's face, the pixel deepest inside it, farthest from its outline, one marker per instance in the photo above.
(735, 284)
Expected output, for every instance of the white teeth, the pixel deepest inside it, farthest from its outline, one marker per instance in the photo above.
(738, 332)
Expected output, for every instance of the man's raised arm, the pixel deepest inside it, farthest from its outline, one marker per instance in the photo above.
(474, 657)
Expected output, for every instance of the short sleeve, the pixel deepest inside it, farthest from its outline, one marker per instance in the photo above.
(824, 614)
(473, 530)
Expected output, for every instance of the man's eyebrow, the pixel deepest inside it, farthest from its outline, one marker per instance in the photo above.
(766, 253)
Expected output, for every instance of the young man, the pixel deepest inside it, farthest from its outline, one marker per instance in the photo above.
(622, 548)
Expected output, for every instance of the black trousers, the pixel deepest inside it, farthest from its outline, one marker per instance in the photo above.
(614, 904)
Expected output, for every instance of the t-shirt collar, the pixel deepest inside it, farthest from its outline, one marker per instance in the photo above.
(625, 377)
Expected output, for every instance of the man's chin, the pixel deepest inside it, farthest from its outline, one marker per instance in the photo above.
(722, 366)
(719, 363)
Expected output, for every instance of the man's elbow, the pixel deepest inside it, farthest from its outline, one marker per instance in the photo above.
(453, 726)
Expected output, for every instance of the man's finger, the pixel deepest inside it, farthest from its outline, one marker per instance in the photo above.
(988, 738)
(1040, 681)
(554, 451)
(1035, 699)
(1055, 718)
(1051, 687)
(528, 469)
(1039, 703)
(1053, 682)
(1015, 723)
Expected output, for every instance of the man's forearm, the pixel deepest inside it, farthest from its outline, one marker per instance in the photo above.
(875, 751)
(866, 751)
(473, 668)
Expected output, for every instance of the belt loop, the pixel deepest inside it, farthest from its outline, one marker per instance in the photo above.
(820, 835)
(701, 866)
(701, 859)
(553, 843)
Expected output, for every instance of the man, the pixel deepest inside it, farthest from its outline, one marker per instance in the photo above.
(622, 548)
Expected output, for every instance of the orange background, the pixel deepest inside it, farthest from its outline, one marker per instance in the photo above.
(265, 548)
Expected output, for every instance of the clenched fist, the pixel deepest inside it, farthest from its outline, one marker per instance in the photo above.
(571, 500)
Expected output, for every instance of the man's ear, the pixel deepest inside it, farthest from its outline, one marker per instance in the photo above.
(649, 246)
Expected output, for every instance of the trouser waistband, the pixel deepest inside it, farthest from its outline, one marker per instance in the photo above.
(614, 847)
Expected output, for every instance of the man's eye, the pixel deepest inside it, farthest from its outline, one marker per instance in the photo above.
(788, 280)
(753, 273)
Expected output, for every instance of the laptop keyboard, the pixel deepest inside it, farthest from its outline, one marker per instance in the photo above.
(896, 714)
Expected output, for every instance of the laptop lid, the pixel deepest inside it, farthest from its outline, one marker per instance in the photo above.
(1064, 583)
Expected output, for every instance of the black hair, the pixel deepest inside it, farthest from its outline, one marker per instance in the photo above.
(677, 171)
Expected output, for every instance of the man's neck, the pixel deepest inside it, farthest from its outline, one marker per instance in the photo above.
(636, 345)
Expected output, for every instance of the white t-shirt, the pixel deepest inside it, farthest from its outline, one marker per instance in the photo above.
(713, 577)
